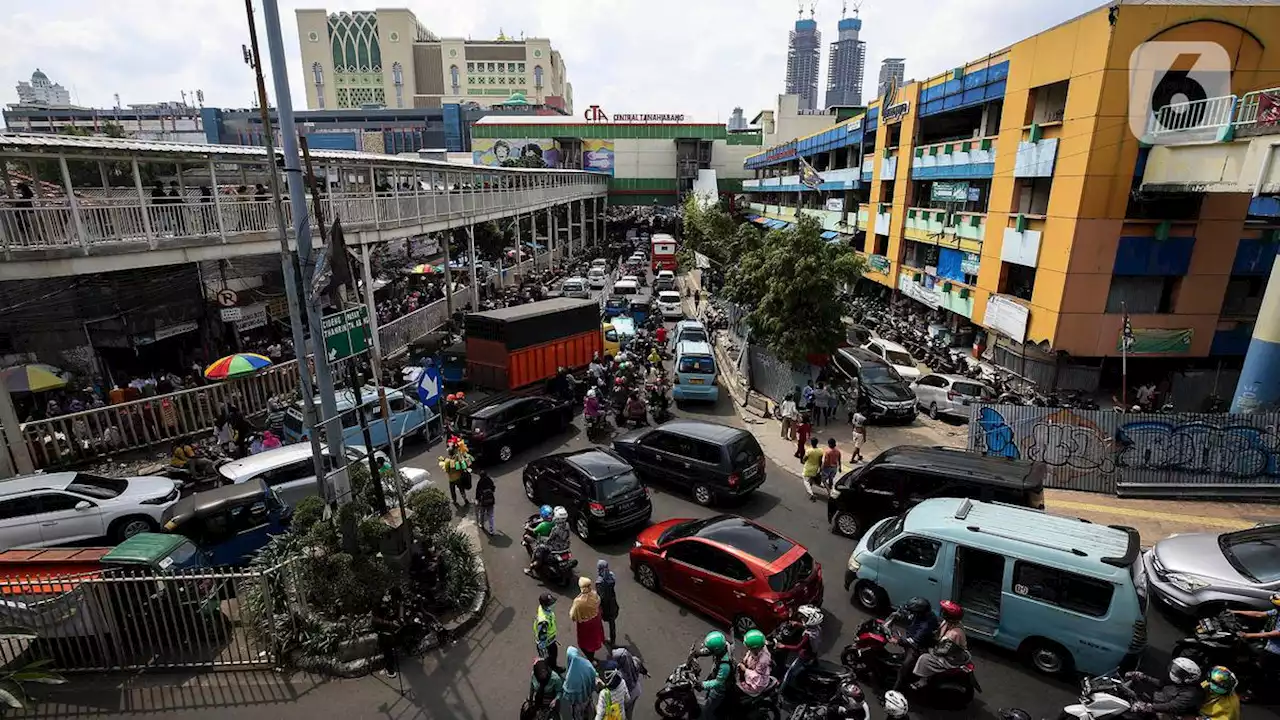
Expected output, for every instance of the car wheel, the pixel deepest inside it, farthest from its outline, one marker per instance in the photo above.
(933, 411)
(130, 526)
(870, 597)
(846, 524)
(529, 491)
(702, 494)
(582, 527)
(1047, 657)
(504, 453)
(647, 577)
(743, 624)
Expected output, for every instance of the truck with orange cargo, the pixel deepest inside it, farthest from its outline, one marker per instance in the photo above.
(515, 347)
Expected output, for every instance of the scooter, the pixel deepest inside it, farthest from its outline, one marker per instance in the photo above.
(597, 427)
(819, 684)
(872, 661)
(558, 567)
(1217, 641)
(1101, 698)
(678, 698)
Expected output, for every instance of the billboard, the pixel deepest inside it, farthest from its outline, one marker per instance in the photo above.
(524, 152)
(597, 155)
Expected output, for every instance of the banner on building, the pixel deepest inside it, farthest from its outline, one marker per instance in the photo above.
(835, 204)
(956, 192)
(878, 263)
(523, 152)
(1156, 341)
(1007, 317)
(597, 155)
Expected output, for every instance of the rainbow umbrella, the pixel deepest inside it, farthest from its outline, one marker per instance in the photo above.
(36, 377)
(425, 269)
(234, 366)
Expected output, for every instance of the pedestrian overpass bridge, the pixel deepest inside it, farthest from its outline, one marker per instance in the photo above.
(85, 205)
(1219, 145)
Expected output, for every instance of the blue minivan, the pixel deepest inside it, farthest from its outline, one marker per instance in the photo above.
(1066, 594)
(695, 373)
(408, 417)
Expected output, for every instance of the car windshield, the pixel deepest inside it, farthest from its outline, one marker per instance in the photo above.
(1254, 553)
(95, 486)
(612, 488)
(625, 289)
(616, 303)
(669, 297)
(886, 532)
(181, 557)
(473, 423)
(897, 357)
(684, 530)
(879, 375)
(795, 574)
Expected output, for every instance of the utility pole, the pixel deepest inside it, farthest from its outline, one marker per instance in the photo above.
(288, 260)
(341, 491)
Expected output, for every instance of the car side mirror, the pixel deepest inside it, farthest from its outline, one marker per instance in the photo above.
(83, 505)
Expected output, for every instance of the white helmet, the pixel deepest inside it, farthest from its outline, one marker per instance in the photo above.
(591, 392)
(1184, 672)
(895, 705)
(560, 514)
(810, 615)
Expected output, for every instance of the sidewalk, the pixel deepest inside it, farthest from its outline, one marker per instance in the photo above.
(1154, 519)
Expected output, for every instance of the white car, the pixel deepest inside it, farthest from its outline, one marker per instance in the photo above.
(290, 472)
(575, 287)
(665, 280)
(631, 279)
(895, 355)
(952, 395)
(600, 263)
(670, 305)
(597, 278)
(56, 508)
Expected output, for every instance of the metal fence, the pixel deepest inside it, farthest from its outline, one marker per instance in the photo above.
(773, 377)
(119, 620)
(1154, 454)
(140, 424)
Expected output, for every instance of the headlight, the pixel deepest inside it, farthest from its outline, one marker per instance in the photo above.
(835, 494)
(854, 564)
(1186, 582)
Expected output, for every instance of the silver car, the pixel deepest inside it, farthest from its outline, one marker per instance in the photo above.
(940, 394)
(289, 471)
(1201, 573)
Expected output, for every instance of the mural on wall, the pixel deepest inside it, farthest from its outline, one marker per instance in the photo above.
(597, 155)
(1098, 450)
(524, 152)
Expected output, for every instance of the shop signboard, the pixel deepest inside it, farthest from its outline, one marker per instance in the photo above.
(878, 263)
(835, 204)
(252, 318)
(1157, 341)
(165, 332)
(346, 333)
(1006, 317)
(952, 192)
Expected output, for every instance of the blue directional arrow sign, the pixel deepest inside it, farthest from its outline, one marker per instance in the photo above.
(429, 387)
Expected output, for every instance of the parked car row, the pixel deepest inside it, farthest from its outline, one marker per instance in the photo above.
(891, 387)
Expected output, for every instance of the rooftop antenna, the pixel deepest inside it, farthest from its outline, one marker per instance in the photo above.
(117, 97)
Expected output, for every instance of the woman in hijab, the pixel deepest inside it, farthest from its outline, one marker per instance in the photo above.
(585, 613)
(606, 587)
(579, 682)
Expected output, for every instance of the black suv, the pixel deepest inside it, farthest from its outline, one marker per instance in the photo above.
(902, 476)
(599, 489)
(497, 427)
(882, 393)
(712, 461)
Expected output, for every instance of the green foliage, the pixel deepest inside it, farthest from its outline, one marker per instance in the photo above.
(461, 564)
(14, 680)
(308, 512)
(525, 161)
(789, 283)
(431, 510)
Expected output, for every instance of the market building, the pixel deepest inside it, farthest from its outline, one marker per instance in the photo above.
(1006, 195)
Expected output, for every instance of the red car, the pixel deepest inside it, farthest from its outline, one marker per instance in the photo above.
(728, 567)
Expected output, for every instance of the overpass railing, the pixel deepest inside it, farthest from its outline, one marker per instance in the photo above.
(1199, 118)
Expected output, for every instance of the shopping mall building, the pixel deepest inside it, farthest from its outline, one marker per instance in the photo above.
(1006, 195)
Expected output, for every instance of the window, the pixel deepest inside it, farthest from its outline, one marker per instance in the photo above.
(95, 486)
(1048, 103)
(519, 67)
(700, 364)
(317, 75)
(19, 507)
(886, 532)
(289, 473)
(706, 452)
(974, 390)
(58, 502)
(1141, 294)
(471, 67)
(502, 67)
(1254, 553)
(453, 76)
(537, 76)
(709, 559)
(490, 67)
(1033, 195)
(932, 381)
(795, 574)
(612, 488)
(918, 551)
(1017, 280)
(1066, 590)
(879, 480)
(1244, 296)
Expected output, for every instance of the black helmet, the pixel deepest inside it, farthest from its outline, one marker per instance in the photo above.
(1013, 714)
(917, 606)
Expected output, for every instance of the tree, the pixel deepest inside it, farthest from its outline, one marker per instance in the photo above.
(789, 284)
(709, 230)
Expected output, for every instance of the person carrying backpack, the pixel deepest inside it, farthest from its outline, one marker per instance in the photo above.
(485, 500)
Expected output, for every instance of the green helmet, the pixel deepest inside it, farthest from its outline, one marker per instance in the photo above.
(716, 642)
(754, 639)
(1221, 681)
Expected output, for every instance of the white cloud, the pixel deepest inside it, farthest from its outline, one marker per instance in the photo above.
(698, 57)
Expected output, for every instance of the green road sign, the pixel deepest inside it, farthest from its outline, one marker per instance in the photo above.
(956, 192)
(346, 333)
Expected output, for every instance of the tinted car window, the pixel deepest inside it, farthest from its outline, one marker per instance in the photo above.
(697, 364)
(886, 532)
(96, 486)
(915, 551)
(659, 440)
(19, 507)
(289, 473)
(795, 574)
(1066, 590)
(693, 335)
(710, 559)
(616, 486)
(973, 390)
(56, 502)
(706, 452)
(745, 452)
(878, 480)
(1255, 554)
(879, 375)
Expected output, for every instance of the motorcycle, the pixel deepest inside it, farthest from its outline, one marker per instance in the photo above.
(597, 427)
(1101, 698)
(559, 566)
(659, 404)
(873, 662)
(678, 698)
(831, 712)
(819, 684)
(1217, 641)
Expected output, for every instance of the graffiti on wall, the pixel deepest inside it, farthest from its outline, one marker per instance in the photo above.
(1094, 450)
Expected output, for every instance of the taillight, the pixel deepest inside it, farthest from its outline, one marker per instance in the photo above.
(733, 480)
(952, 395)
(596, 509)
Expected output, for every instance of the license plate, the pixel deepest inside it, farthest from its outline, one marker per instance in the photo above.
(695, 381)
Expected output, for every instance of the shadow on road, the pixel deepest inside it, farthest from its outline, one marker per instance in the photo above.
(117, 694)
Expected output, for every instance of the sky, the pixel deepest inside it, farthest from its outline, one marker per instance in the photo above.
(697, 57)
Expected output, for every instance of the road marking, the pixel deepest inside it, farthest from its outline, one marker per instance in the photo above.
(1196, 520)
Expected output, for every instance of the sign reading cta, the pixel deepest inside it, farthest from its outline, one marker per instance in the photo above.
(595, 113)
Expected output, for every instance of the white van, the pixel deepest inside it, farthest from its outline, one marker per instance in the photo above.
(629, 288)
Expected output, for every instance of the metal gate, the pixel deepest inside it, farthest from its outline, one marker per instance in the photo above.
(136, 621)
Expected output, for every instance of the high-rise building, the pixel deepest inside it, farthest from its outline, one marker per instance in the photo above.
(42, 91)
(387, 58)
(891, 70)
(804, 51)
(846, 65)
(736, 120)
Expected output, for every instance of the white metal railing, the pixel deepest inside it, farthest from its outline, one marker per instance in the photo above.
(1209, 114)
(53, 222)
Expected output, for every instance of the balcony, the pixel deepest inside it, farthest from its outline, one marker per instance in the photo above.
(935, 292)
(832, 181)
(928, 225)
(955, 160)
(883, 218)
(889, 165)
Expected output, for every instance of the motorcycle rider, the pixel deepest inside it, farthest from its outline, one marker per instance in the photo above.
(848, 704)
(534, 530)
(1182, 697)
(557, 540)
(637, 411)
(716, 646)
(1270, 630)
(805, 646)
(755, 672)
(951, 649)
(1222, 702)
(591, 407)
(920, 628)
